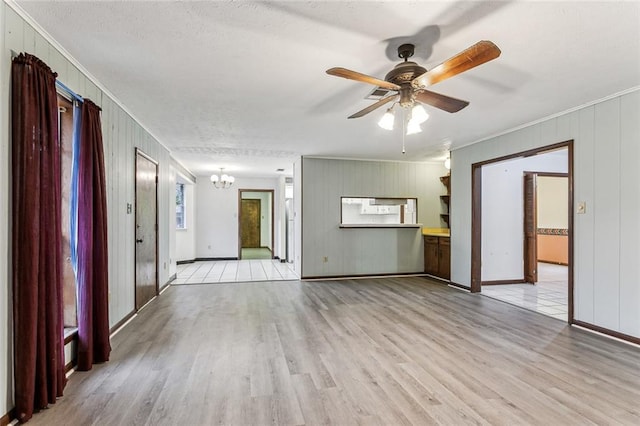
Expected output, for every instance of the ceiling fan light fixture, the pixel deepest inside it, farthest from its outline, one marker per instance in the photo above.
(386, 122)
(413, 127)
(418, 114)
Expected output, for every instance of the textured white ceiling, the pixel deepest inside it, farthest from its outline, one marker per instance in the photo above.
(242, 85)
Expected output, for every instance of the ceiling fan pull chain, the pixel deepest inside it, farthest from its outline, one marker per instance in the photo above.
(403, 128)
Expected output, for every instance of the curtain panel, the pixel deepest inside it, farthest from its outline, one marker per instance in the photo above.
(36, 238)
(92, 268)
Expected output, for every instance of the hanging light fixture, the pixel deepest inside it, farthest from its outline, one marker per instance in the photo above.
(223, 181)
(413, 127)
(386, 122)
(418, 116)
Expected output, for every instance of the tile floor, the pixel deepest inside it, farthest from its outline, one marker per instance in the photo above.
(226, 271)
(255, 253)
(549, 296)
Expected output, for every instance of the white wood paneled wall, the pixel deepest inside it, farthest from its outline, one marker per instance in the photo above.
(364, 251)
(6, 337)
(607, 177)
(122, 134)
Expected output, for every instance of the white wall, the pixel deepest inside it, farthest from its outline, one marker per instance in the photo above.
(606, 176)
(552, 196)
(217, 216)
(297, 216)
(364, 251)
(503, 213)
(121, 135)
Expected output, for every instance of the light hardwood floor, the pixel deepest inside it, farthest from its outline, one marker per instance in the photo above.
(372, 351)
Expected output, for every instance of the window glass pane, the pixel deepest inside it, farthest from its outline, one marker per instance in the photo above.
(180, 207)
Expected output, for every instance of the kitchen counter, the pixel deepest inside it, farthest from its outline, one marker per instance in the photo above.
(436, 232)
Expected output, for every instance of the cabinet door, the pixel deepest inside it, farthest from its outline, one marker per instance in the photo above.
(444, 258)
(431, 255)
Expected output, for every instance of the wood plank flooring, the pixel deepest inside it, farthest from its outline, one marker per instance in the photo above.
(373, 351)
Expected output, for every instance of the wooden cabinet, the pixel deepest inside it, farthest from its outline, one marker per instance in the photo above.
(444, 258)
(437, 256)
(431, 255)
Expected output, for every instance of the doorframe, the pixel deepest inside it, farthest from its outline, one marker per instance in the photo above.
(240, 191)
(141, 153)
(476, 215)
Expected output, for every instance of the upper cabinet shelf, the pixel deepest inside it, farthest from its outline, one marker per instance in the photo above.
(446, 182)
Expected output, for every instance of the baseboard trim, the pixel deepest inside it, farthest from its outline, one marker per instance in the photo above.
(437, 278)
(204, 259)
(122, 322)
(166, 285)
(459, 286)
(608, 332)
(552, 262)
(182, 262)
(360, 276)
(8, 418)
(503, 282)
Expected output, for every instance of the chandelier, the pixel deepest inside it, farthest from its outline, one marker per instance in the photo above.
(223, 181)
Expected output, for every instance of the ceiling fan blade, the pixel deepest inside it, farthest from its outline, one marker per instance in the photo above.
(371, 107)
(481, 52)
(445, 103)
(353, 75)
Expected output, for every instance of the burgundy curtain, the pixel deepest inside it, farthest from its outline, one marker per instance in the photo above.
(36, 238)
(92, 273)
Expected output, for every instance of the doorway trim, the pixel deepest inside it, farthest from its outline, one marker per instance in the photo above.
(476, 215)
(139, 152)
(240, 191)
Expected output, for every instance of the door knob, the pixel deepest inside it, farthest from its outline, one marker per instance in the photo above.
(139, 241)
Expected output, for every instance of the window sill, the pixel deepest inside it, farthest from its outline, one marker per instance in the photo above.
(70, 334)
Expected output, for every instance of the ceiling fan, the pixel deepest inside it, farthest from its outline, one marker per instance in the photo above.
(409, 80)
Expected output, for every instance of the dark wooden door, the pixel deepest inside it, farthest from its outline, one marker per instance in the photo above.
(431, 255)
(250, 223)
(530, 229)
(146, 230)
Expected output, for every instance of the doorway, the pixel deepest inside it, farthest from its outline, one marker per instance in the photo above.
(146, 235)
(509, 232)
(255, 224)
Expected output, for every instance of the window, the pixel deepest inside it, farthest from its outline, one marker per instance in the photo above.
(180, 207)
(378, 212)
(66, 111)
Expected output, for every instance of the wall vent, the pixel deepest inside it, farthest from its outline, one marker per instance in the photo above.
(377, 94)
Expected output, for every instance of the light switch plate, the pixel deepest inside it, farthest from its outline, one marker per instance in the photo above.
(582, 207)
